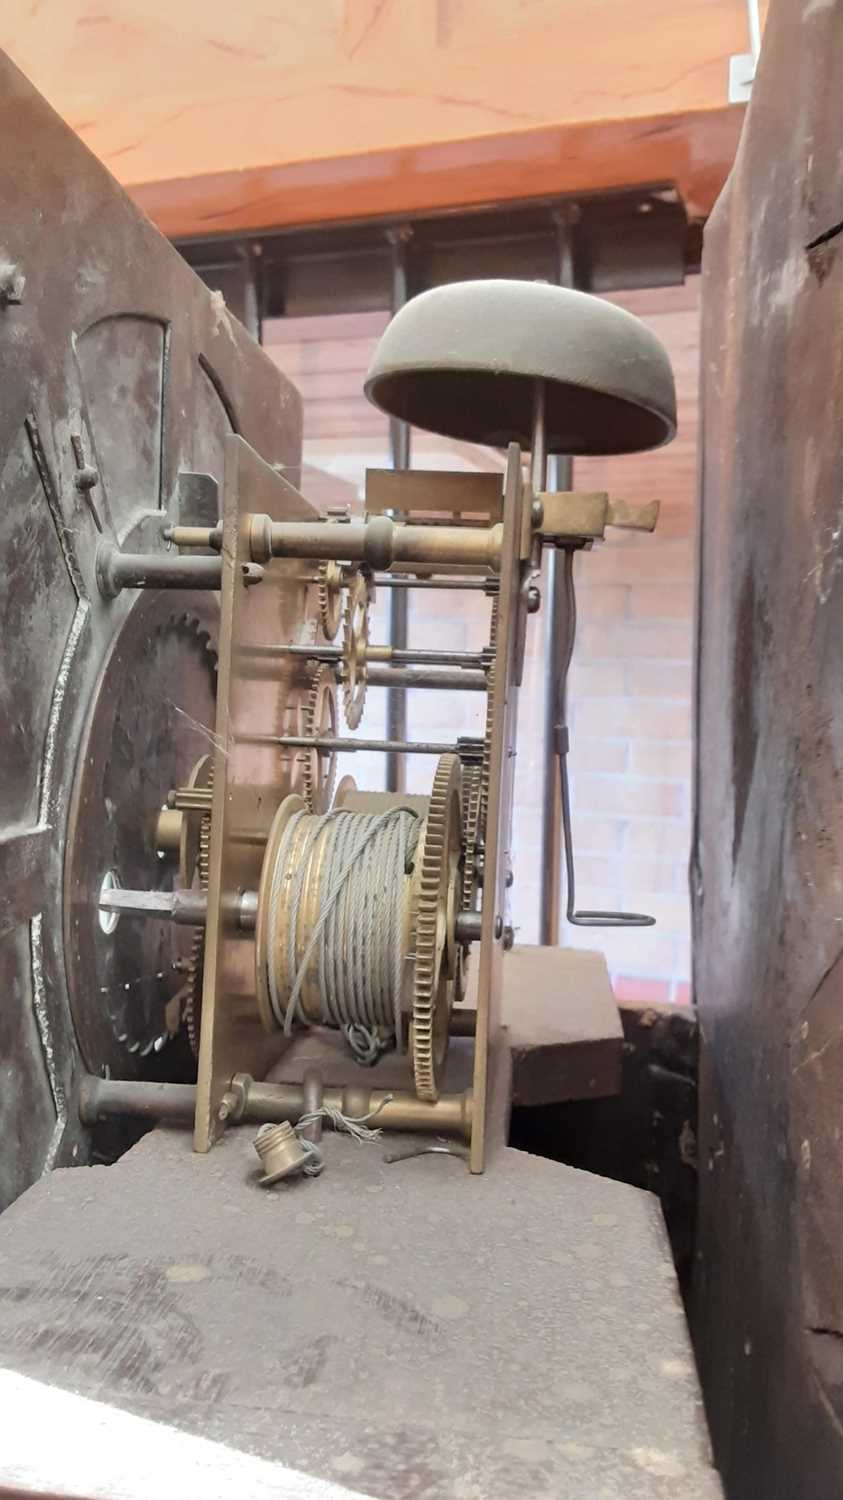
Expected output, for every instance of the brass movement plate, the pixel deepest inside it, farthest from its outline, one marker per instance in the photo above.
(256, 686)
(250, 778)
(499, 816)
(473, 498)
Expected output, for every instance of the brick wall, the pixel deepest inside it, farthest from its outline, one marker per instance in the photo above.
(630, 688)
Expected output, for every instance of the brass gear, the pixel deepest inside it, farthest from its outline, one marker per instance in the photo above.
(294, 763)
(486, 767)
(471, 807)
(320, 718)
(354, 647)
(476, 781)
(471, 782)
(192, 1013)
(435, 962)
(329, 586)
(196, 786)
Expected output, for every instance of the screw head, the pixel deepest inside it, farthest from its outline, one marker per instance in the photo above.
(508, 937)
(86, 478)
(534, 600)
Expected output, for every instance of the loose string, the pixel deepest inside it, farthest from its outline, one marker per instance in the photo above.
(357, 1126)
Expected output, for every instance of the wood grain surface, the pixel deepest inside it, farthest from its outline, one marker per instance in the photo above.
(223, 119)
(768, 865)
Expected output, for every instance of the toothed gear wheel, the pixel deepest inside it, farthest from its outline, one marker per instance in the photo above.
(438, 856)
(320, 718)
(471, 808)
(486, 767)
(329, 586)
(192, 1013)
(191, 823)
(355, 644)
(292, 720)
(193, 626)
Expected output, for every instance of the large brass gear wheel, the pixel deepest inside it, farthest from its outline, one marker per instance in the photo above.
(435, 916)
(320, 718)
(355, 646)
(471, 785)
(329, 586)
(472, 778)
(202, 775)
(486, 767)
(294, 763)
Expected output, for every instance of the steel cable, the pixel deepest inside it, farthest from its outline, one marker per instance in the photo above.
(358, 937)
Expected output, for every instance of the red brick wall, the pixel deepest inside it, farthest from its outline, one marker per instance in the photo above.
(630, 687)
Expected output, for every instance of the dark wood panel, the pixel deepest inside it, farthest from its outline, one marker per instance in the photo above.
(768, 866)
(112, 349)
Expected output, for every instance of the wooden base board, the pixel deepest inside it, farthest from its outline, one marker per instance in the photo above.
(400, 1329)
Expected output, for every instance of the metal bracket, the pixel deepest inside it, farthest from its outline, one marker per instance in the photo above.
(429, 492)
(743, 65)
(575, 516)
(197, 497)
(741, 77)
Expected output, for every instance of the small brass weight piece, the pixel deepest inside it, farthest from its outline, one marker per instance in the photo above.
(281, 1152)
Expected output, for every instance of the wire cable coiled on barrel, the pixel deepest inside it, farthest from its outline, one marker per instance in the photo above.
(358, 937)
